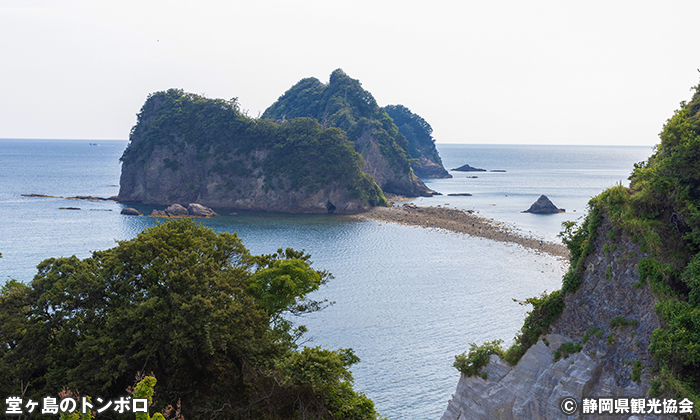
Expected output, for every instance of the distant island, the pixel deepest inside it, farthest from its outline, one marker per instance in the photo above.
(467, 168)
(319, 148)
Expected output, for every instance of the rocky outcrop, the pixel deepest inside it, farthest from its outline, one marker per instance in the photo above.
(421, 145)
(389, 176)
(192, 210)
(151, 182)
(215, 156)
(610, 315)
(544, 205)
(79, 197)
(428, 168)
(130, 211)
(198, 210)
(343, 103)
(467, 168)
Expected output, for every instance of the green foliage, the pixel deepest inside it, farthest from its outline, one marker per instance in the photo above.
(659, 274)
(545, 310)
(566, 349)
(284, 281)
(668, 383)
(478, 357)
(78, 416)
(678, 345)
(610, 248)
(591, 331)
(308, 156)
(144, 389)
(621, 321)
(325, 372)
(192, 306)
(637, 371)
(418, 134)
(344, 104)
(579, 240)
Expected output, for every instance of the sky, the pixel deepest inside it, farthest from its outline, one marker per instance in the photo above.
(485, 72)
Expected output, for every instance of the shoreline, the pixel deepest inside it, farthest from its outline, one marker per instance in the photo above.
(465, 222)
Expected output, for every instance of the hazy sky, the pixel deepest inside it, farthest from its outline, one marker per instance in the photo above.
(511, 71)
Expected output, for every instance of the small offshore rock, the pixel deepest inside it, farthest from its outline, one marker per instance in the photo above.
(198, 210)
(175, 210)
(459, 195)
(130, 211)
(544, 205)
(192, 210)
(69, 208)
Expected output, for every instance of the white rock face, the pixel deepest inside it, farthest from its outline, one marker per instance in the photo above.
(535, 387)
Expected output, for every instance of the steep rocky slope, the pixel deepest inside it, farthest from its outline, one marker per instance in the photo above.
(344, 104)
(609, 315)
(421, 144)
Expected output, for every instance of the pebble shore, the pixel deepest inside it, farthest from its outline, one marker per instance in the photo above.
(460, 221)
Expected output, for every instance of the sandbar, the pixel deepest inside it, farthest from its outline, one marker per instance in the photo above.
(465, 222)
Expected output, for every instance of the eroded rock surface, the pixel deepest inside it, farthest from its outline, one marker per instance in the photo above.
(610, 315)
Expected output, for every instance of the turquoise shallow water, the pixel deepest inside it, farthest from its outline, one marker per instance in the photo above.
(407, 299)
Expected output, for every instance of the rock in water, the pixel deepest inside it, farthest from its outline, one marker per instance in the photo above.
(192, 210)
(130, 211)
(176, 210)
(543, 206)
(467, 168)
(198, 210)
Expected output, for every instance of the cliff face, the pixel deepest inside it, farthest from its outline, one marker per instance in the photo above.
(610, 315)
(154, 182)
(421, 145)
(187, 149)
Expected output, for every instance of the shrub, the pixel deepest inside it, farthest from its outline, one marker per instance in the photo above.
(566, 349)
(470, 363)
(622, 321)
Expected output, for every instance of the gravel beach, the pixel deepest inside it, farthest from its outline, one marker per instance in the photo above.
(456, 220)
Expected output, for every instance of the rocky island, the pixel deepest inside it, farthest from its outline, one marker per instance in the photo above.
(625, 326)
(320, 148)
(544, 205)
(468, 168)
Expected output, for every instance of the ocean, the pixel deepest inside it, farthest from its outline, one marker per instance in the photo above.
(407, 299)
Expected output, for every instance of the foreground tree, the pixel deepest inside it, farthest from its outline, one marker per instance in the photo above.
(193, 307)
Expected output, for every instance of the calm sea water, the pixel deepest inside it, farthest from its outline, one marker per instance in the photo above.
(407, 300)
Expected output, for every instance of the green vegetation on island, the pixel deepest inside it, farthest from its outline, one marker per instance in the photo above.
(195, 308)
(344, 104)
(426, 160)
(187, 148)
(319, 147)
